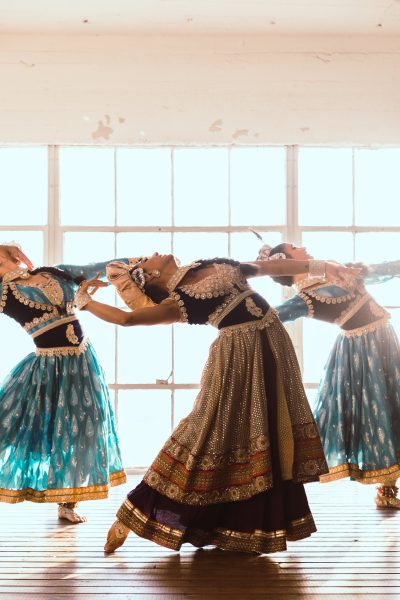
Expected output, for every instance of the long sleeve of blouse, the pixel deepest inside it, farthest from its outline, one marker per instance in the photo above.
(381, 272)
(292, 309)
(90, 270)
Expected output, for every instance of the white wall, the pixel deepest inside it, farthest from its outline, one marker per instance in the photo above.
(199, 90)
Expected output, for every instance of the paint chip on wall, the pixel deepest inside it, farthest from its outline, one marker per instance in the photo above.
(216, 126)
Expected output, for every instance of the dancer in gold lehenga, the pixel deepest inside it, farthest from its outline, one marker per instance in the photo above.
(233, 470)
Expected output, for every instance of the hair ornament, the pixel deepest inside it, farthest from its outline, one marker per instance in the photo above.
(264, 252)
(137, 273)
(138, 277)
(277, 256)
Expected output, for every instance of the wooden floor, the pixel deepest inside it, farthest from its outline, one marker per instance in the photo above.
(355, 554)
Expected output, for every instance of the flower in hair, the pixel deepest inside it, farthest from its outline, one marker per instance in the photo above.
(138, 277)
(278, 255)
(264, 252)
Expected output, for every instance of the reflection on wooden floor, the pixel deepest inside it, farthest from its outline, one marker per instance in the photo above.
(355, 554)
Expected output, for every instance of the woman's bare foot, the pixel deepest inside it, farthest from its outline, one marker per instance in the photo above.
(116, 536)
(67, 512)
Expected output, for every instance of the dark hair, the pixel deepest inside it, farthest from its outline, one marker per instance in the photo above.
(282, 279)
(155, 293)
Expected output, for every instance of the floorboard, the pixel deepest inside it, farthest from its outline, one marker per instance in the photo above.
(354, 554)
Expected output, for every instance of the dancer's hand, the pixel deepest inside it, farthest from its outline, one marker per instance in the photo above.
(14, 253)
(83, 296)
(335, 270)
(94, 283)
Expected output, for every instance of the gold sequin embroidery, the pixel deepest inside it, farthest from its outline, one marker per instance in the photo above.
(63, 350)
(70, 334)
(252, 308)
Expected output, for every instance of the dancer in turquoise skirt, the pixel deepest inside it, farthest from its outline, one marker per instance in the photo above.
(57, 434)
(357, 407)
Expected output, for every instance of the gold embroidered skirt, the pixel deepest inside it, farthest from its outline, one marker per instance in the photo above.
(222, 451)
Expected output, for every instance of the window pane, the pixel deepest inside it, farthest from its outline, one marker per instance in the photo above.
(201, 187)
(325, 186)
(144, 354)
(311, 397)
(30, 241)
(318, 340)
(87, 186)
(377, 186)
(189, 365)
(386, 293)
(335, 245)
(183, 404)
(144, 186)
(192, 246)
(81, 248)
(13, 352)
(258, 186)
(144, 424)
(245, 246)
(23, 186)
(377, 247)
(142, 244)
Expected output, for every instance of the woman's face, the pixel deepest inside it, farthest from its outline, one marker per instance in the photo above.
(296, 252)
(159, 261)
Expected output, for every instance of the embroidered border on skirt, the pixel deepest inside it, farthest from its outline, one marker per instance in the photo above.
(367, 477)
(257, 541)
(92, 492)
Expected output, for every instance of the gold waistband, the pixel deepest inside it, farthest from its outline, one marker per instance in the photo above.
(57, 323)
(64, 350)
(358, 331)
(352, 309)
(222, 311)
(268, 318)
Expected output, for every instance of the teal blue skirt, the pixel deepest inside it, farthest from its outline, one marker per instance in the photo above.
(358, 407)
(58, 441)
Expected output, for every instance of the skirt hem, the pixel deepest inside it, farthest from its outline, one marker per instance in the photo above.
(93, 492)
(367, 477)
(258, 541)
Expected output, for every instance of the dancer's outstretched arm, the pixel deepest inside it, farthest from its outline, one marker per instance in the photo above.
(166, 312)
(90, 270)
(289, 266)
(380, 272)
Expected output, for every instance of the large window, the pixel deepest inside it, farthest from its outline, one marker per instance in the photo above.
(84, 204)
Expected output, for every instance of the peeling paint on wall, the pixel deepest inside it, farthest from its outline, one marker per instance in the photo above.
(102, 131)
(216, 126)
(27, 64)
(240, 133)
(326, 58)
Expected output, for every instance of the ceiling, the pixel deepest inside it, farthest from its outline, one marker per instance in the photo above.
(278, 17)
